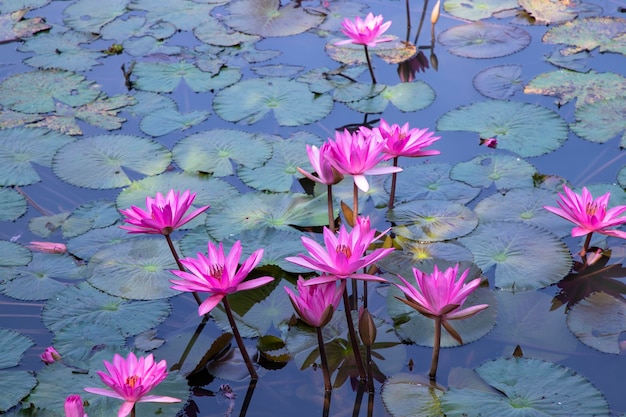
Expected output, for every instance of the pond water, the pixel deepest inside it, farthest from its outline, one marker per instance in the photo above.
(47, 176)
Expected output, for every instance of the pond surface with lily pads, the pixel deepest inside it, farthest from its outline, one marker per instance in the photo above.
(106, 102)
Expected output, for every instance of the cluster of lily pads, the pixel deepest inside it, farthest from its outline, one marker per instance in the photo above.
(106, 293)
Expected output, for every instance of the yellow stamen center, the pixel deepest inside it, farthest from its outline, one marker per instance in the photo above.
(216, 271)
(131, 381)
(345, 250)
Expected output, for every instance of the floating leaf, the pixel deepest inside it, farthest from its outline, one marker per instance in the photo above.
(214, 32)
(147, 102)
(484, 40)
(137, 269)
(291, 102)
(21, 147)
(12, 27)
(12, 204)
(602, 121)
(524, 128)
(13, 346)
(164, 121)
(432, 220)
(147, 45)
(161, 77)
(102, 160)
(552, 11)
(407, 97)
(89, 15)
(575, 62)
(585, 88)
(518, 252)
(477, 9)
(267, 18)
(15, 385)
(431, 181)
(598, 321)
(214, 151)
(61, 50)
(85, 304)
(121, 30)
(503, 171)
(10, 6)
(93, 215)
(255, 211)
(411, 395)
(605, 33)
(528, 387)
(85, 245)
(44, 226)
(500, 82)
(184, 14)
(394, 51)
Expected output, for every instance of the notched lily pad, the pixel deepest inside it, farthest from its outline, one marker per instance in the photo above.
(61, 50)
(499, 82)
(477, 9)
(605, 33)
(504, 171)
(89, 15)
(162, 77)
(484, 40)
(392, 52)
(602, 121)
(164, 121)
(551, 11)
(13, 26)
(407, 97)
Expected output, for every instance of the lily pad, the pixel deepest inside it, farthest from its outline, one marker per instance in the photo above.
(484, 40)
(147, 102)
(431, 181)
(147, 45)
(38, 91)
(85, 245)
(89, 15)
(100, 162)
(14, 345)
(161, 77)
(525, 257)
(602, 121)
(185, 15)
(407, 97)
(10, 6)
(44, 226)
(599, 321)
(267, 18)
(477, 9)
(214, 151)
(12, 204)
(257, 211)
(394, 51)
(526, 129)
(605, 33)
(552, 11)
(164, 121)
(214, 32)
(121, 30)
(85, 304)
(15, 385)
(500, 82)
(14, 27)
(575, 62)
(61, 50)
(291, 102)
(528, 387)
(432, 220)
(137, 269)
(14, 254)
(503, 171)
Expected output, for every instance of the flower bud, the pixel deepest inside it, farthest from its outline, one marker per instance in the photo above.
(50, 355)
(367, 327)
(434, 15)
(74, 406)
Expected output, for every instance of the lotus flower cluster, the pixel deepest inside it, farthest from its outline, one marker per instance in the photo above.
(130, 380)
(365, 32)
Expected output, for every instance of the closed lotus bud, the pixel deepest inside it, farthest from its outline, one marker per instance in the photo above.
(367, 328)
(434, 15)
(434, 61)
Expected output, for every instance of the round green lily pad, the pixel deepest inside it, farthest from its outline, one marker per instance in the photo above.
(477, 9)
(500, 82)
(89, 15)
(411, 395)
(164, 121)
(601, 121)
(185, 15)
(14, 254)
(12, 204)
(61, 50)
(214, 32)
(605, 33)
(503, 171)
(484, 40)
(163, 77)
(100, 161)
(85, 245)
(407, 97)
(13, 346)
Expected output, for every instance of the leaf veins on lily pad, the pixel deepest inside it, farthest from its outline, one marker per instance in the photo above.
(524, 128)
(477, 9)
(605, 33)
(550, 11)
(101, 162)
(267, 18)
(161, 77)
(185, 15)
(499, 82)
(503, 171)
(484, 40)
(291, 102)
(12, 204)
(164, 121)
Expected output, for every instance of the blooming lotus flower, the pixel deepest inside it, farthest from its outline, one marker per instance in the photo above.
(357, 154)
(441, 293)
(131, 379)
(50, 355)
(589, 214)
(315, 304)
(218, 274)
(343, 255)
(402, 141)
(326, 173)
(365, 32)
(163, 214)
(74, 406)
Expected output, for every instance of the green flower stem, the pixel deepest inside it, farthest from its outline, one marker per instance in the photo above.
(352, 335)
(242, 347)
(355, 204)
(180, 265)
(583, 251)
(370, 370)
(320, 341)
(369, 64)
(132, 411)
(392, 193)
(436, 346)
(331, 211)
(326, 410)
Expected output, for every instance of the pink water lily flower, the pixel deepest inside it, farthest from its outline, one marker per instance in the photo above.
(343, 255)
(218, 275)
(315, 304)
(357, 154)
(163, 214)
(326, 173)
(74, 406)
(589, 214)
(365, 32)
(402, 141)
(50, 355)
(131, 380)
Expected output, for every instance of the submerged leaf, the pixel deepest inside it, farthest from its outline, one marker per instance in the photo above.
(484, 40)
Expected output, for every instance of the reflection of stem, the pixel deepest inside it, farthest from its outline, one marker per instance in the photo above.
(436, 345)
(419, 28)
(246, 401)
(352, 335)
(320, 341)
(392, 193)
(583, 251)
(242, 348)
(370, 371)
(370, 403)
(192, 341)
(408, 20)
(358, 398)
(180, 265)
(364, 292)
(331, 211)
(369, 64)
(32, 202)
(326, 410)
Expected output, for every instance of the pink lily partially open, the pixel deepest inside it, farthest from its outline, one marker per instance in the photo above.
(163, 215)
(315, 304)
(74, 406)
(131, 380)
(402, 141)
(218, 274)
(326, 173)
(365, 32)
